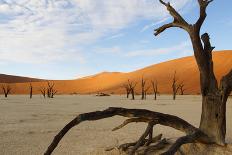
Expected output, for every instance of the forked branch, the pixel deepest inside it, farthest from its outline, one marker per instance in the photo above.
(203, 5)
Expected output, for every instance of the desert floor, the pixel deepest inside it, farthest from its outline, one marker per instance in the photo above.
(27, 126)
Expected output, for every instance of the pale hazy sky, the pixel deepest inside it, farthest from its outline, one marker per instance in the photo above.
(66, 39)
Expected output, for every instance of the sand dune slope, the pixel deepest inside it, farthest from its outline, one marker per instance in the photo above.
(16, 79)
(111, 82)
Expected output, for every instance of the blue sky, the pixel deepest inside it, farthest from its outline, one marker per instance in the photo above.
(66, 39)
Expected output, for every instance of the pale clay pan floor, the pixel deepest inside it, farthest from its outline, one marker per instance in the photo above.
(27, 126)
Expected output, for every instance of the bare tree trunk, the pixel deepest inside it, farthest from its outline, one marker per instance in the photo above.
(133, 94)
(31, 88)
(213, 119)
(143, 83)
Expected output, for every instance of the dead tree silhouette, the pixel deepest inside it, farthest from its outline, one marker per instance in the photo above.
(212, 129)
(182, 89)
(143, 83)
(132, 86)
(6, 89)
(155, 88)
(50, 89)
(127, 88)
(31, 90)
(145, 92)
(43, 91)
(175, 86)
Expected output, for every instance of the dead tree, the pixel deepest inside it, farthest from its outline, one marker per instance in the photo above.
(6, 89)
(127, 88)
(132, 86)
(31, 89)
(175, 86)
(143, 83)
(145, 92)
(182, 89)
(212, 128)
(43, 91)
(50, 89)
(155, 88)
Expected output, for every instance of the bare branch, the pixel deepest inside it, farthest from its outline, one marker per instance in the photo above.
(142, 138)
(131, 121)
(203, 5)
(161, 144)
(163, 28)
(177, 17)
(177, 22)
(127, 145)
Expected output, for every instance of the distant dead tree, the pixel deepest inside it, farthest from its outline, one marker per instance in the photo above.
(182, 89)
(127, 88)
(143, 83)
(145, 92)
(155, 88)
(132, 86)
(43, 91)
(30, 88)
(175, 86)
(50, 89)
(6, 89)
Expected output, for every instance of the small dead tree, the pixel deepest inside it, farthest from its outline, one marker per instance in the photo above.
(50, 89)
(132, 86)
(145, 92)
(175, 86)
(182, 89)
(31, 90)
(43, 91)
(155, 88)
(127, 88)
(212, 129)
(6, 89)
(143, 83)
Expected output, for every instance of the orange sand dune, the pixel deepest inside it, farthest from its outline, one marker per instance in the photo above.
(111, 82)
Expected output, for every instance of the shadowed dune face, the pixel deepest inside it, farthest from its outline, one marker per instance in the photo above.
(16, 79)
(111, 82)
